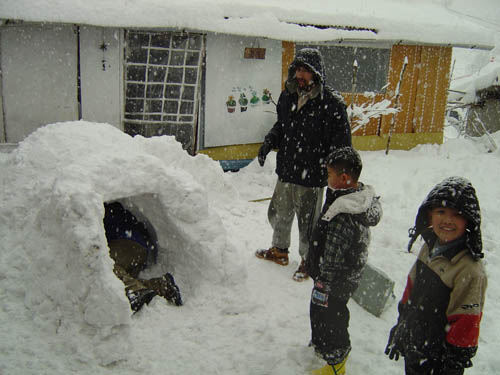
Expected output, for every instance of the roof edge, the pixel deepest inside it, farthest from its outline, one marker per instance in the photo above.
(371, 33)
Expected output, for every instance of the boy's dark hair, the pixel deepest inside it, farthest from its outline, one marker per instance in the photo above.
(345, 160)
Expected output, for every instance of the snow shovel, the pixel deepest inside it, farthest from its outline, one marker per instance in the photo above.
(375, 291)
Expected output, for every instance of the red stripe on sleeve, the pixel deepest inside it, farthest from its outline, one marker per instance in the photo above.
(406, 294)
(464, 330)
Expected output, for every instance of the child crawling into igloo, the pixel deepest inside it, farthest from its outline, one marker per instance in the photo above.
(132, 248)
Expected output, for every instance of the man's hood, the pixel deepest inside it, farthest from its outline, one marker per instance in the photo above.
(311, 58)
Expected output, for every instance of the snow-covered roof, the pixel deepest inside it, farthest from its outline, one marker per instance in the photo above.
(465, 89)
(425, 21)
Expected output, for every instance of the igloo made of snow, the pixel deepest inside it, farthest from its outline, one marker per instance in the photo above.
(55, 256)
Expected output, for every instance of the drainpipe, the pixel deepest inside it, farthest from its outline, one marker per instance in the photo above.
(3, 128)
(78, 73)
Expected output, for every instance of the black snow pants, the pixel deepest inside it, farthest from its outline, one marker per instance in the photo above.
(329, 327)
(426, 368)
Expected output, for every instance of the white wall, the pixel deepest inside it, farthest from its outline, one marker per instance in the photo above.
(102, 93)
(39, 77)
(228, 73)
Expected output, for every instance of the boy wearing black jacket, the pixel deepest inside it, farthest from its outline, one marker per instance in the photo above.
(337, 256)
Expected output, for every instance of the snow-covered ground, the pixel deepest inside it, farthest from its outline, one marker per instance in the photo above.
(63, 310)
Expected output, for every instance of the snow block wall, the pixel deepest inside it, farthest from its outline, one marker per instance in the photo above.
(55, 257)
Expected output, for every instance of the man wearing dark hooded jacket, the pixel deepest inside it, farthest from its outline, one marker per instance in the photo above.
(312, 122)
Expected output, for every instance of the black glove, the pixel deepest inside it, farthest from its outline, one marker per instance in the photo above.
(316, 248)
(263, 151)
(455, 358)
(312, 261)
(312, 268)
(393, 349)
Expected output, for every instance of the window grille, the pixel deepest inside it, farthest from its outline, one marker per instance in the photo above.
(162, 81)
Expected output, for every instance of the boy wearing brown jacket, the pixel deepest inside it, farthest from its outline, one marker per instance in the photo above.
(439, 314)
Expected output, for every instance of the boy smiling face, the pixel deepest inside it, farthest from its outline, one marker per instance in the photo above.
(447, 223)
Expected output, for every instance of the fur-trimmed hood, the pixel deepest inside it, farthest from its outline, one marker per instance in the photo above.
(361, 202)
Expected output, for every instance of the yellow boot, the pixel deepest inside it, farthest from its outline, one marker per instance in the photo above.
(337, 369)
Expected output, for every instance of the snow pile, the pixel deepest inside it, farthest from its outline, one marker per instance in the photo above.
(465, 89)
(63, 311)
(54, 255)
